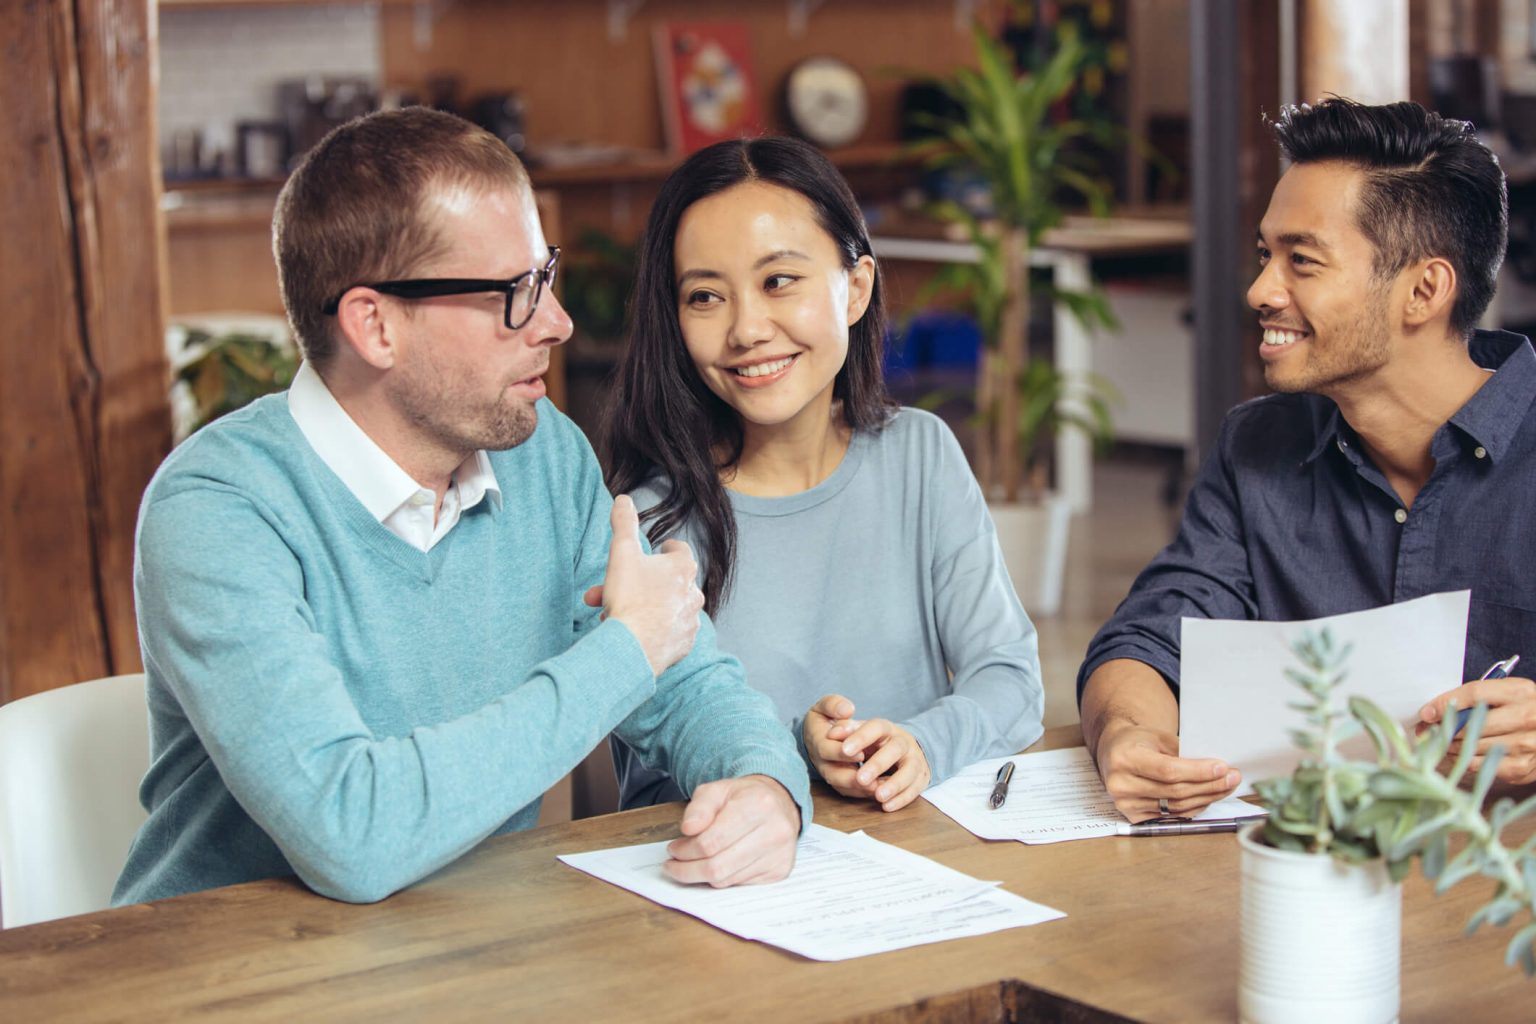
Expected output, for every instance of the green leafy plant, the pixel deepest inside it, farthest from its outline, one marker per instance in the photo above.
(595, 283)
(1007, 131)
(1402, 807)
(232, 370)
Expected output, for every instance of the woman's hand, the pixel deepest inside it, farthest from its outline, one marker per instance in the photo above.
(826, 753)
(876, 759)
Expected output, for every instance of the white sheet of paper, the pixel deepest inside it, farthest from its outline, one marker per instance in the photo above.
(1054, 795)
(1234, 697)
(848, 896)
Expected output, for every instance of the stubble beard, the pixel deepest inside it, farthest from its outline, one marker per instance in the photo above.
(445, 413)
(1357, 349)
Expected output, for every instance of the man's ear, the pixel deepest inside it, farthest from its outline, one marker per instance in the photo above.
(1431, 293)
(861, 288)
(363, 325)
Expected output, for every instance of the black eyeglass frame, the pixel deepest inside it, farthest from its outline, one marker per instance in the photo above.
(435, 287)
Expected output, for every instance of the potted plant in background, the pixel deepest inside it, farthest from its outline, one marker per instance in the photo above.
(218, 372)
(1321, 904)
(1005, 132)
(594, 286)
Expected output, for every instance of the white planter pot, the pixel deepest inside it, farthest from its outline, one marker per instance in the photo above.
(1321, 940)
(1033, 536)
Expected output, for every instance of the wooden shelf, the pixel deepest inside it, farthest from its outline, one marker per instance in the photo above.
(648, 167)
(217, 4)
(655, 167)
(212, 185)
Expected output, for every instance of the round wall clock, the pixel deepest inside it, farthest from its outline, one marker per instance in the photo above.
(826, 101)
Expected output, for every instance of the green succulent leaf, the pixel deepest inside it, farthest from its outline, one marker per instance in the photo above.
(1461, 867)
(1399, 784)
(1401, 807)
(1519, 950)
(1397, 870)
(1434, 856)
(1425, 836)
(1496, 911)
(1487, 774)
(1469, 739)
(1518, 811)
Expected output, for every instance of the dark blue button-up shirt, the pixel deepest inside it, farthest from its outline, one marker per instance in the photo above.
(1288, 519)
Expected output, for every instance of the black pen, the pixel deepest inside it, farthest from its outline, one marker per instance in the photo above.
(1180, 828)
(1000, 787)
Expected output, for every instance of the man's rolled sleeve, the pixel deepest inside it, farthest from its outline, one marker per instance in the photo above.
(1204, 573)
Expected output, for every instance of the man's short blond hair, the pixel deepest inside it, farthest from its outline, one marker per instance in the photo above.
(355, 209)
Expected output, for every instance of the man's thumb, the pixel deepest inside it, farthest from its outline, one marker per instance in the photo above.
(704, 806)
(626, 529)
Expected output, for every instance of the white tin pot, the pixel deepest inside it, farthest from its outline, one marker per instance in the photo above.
(1033, 536)
(1321, 940)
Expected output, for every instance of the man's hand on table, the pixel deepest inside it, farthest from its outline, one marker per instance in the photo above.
(1139, 765)
(736, 832)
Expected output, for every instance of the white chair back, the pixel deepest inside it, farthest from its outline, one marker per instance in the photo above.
(71, 761)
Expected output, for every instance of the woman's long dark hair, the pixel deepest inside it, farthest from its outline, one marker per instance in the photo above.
(662, 417)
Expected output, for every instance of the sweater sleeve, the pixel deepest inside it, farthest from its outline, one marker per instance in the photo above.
(704, 722)
(1203, 573)
(996, 699)
(225, 624)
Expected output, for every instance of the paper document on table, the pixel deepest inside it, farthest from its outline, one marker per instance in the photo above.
(848, 896)
(1234, 696)
(1054, 795)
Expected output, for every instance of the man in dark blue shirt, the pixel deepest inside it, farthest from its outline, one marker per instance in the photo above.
(1398, 458)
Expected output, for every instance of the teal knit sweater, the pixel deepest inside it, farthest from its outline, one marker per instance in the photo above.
(327, 700)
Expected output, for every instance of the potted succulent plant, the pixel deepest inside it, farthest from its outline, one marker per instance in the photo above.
(1004, 132)
(1321, 907)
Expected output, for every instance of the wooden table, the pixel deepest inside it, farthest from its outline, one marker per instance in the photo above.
(510, 933)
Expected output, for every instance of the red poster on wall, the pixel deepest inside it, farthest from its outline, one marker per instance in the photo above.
(708, 90)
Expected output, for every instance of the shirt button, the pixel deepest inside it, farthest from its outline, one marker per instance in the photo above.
(1480, 452)
(1342, 444)
(1401, 515)
(420, 498)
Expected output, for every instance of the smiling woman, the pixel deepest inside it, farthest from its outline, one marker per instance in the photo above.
(765, 304)
(846, 554)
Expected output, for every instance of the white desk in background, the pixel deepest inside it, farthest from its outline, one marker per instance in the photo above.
(1067, 250)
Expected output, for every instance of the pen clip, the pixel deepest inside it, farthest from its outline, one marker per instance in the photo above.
(1166, 819)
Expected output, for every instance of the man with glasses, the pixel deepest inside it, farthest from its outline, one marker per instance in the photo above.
(382, 613)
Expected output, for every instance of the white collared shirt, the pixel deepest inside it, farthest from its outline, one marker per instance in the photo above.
(388, 492)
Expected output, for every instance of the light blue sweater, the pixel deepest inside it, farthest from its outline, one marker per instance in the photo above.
(329, 701)
(883, 583)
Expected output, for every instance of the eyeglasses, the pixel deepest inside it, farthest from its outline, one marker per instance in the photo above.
(522, 291)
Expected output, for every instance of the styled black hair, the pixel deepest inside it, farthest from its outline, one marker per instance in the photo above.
(1431, 189)
(662, 417)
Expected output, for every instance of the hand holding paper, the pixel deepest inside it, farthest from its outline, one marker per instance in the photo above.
(1234, 694)
(1053, 796)
(1131, 723)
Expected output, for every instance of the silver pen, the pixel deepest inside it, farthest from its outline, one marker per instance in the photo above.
(1000, 786)
(1180, 828)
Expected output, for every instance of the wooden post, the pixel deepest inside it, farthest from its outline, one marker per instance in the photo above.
(1355, 50)
(84, 418)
